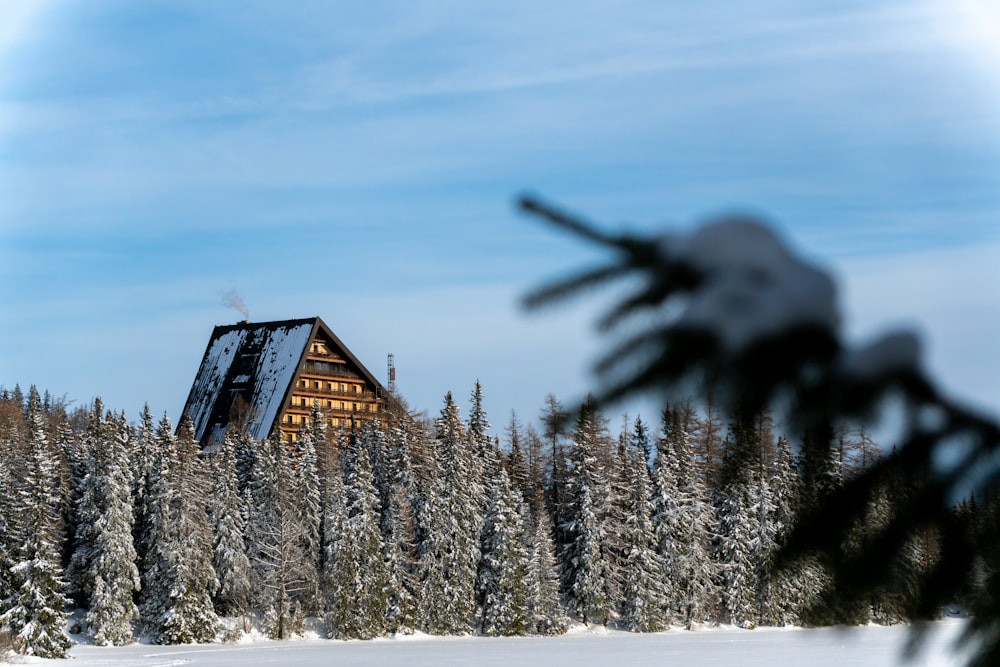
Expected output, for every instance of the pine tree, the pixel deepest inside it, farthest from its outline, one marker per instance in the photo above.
(226, 516)
(822, 479)
(699, 570)
(282, 569)
(178, 579)
(156, 525)
(553, 419)
(450, 524)
(746, 540)
(516, 464)
(762, 504)
(585, 558)
(307, 491)
(640, 441)
(544, 608)
(478, 425)
(192, 616)
(34, 610)
(112, 572)
(246, 453)
(537, 463)
(87, 489)
(358, 581)
(791, 586)
(399, 530)
(145, 461)
(644, 595)
(737, 502)
(483, 457)
(706, 437)
(505, 564)
(617, 546)
(7, 504)
(669, 521)
(82, 515)
(334, 512)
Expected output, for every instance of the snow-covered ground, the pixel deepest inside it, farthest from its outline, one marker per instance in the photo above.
(862, 647)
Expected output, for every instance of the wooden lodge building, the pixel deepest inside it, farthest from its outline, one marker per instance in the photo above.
(269, 375)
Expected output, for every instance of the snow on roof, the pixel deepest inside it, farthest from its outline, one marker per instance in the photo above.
(257, 361)
(753, 286)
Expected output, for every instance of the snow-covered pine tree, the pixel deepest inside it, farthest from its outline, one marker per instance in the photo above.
(617, 545)
(515, 463)
(156, 523)
(553, 418)
(307, 490)
(684, 522)
(503, 570)
(399, 529)
(483, 456)
(226, 516)
(358, 581)
(8, 435)
(449, 530)
(334, 516)
(824, 478)
(145, 463)
(585, 556)
(80, 516)
(538, 465)
(762, 502)
(112, 574)
(670, 525)
(178, 578)
(87, 485)
(544, 599)
(644, 595)
(191, 615)
(738, 547)
(274, 539)
(246, 451)
(641, 441)
(481, 444)
(887, 606)
(792, 587)
(34, 612)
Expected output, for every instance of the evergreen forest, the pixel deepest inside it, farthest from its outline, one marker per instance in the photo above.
(422, 524)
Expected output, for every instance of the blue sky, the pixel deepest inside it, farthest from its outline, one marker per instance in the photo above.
(358, 161)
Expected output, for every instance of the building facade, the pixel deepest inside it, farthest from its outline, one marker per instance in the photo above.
(264, 376)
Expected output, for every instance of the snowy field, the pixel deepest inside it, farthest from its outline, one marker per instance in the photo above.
(863, 647)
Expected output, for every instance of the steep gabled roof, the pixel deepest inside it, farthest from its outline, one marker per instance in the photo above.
(260, 362)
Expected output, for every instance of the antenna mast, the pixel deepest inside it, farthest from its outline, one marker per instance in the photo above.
(391, 364)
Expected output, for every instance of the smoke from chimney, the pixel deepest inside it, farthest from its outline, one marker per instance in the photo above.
(233, 299)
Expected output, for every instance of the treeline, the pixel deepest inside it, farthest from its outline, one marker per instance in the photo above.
(417, 524)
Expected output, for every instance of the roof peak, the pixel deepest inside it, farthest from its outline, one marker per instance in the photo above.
(272, 324)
